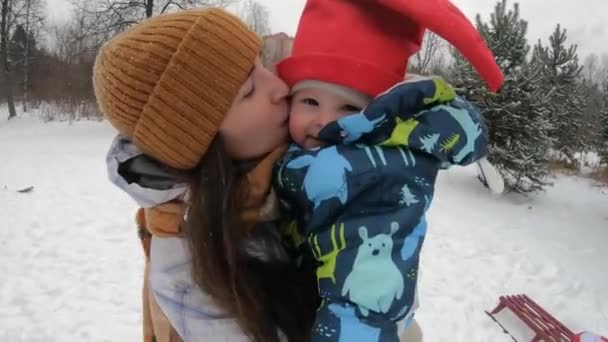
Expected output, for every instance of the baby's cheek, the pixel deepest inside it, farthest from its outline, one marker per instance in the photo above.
(297, 128)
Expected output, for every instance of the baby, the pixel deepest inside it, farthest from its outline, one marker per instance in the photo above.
(360, 175)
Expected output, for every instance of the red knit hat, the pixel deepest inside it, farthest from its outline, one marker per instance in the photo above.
(365, 45)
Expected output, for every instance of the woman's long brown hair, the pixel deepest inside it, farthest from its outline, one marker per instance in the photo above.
(262, 296)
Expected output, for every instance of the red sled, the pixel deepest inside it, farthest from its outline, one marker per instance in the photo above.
(546, 327)
(589, 337)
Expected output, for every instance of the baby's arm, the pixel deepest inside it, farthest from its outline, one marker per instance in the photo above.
(453, 132)
(423, 114)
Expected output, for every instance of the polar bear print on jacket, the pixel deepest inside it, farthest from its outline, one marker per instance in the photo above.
(375, 281)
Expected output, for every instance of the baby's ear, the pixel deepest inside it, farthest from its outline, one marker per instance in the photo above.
(363, 233)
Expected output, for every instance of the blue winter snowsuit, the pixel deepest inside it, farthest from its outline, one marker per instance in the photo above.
(361, 202)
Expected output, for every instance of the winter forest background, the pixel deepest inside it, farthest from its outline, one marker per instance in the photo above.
(551, 115)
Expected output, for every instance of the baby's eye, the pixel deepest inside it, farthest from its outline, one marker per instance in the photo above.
(310, 101)
(350, 109)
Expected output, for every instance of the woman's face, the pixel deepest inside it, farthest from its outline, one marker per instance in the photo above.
(257, 122)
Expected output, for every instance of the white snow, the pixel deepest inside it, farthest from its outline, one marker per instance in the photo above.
(585, 161)
(551, 246)
(588, 159)
(71, 263)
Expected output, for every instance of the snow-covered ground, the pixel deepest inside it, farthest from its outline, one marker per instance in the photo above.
(71, 265)
(551, 246)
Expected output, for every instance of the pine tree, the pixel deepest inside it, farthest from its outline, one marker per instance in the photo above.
(407, 197)
(604, 125)
(567, 99)
(517, 115)
(17, 47)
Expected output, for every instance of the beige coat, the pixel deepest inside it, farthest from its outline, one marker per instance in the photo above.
(164, 221)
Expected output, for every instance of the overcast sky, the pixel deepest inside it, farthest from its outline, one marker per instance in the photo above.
(582, 18)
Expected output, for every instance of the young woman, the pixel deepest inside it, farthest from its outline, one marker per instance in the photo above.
(201, 122)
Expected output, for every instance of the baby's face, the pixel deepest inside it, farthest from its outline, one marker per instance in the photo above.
(311, 110)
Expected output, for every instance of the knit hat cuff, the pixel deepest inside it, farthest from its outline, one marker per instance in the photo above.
(337, 70)
(357, 98)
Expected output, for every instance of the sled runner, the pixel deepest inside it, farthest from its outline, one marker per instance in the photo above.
(546, 327)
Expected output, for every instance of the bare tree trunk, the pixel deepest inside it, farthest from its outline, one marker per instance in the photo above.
(149, 8)
(8, 88)
(4, 56)
(256, 16)
(26, 55)
(428, 57)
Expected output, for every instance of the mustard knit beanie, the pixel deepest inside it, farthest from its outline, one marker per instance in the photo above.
(168, 81)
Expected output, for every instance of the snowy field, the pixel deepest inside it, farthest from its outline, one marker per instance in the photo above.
(71, 264)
